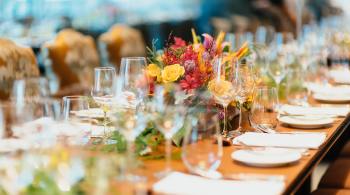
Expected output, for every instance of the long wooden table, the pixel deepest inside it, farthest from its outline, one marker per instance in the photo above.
(297, 175)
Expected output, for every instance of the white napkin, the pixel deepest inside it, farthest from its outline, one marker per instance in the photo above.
(11, 145)
(185, 184)
(328, 89)
(297, 140)
(300, 110)
(340, 76)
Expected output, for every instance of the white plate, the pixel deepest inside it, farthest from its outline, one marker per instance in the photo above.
(266, 157)
(332, 98)
(90, 113)
(306, 122)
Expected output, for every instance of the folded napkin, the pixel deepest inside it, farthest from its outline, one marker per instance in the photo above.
(340, 76)
(185, 184)
(300, 110)
(328, 89)
(297, 140)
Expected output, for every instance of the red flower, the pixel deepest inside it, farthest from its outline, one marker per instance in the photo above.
(178, 42)
(192, 81)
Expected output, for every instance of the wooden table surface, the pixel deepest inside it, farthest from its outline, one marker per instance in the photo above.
(295, 174)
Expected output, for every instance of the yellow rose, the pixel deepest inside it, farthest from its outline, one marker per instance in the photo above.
(219, 87)
(172, 72)
(154, 71)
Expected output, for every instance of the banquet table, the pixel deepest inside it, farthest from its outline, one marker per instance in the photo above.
(297, 175)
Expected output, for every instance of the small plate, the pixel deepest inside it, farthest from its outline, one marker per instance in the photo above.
(332, 98)
(90, 113)
(266, 157)
(306, 122)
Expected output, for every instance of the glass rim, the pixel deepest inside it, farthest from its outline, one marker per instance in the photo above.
(104, 68)
(75, 97)
(40, 79)
(133, 58)
(266, 88)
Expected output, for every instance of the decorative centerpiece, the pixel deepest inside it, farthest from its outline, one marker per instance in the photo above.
(190, 66)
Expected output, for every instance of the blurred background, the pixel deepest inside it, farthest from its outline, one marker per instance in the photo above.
(32, 22)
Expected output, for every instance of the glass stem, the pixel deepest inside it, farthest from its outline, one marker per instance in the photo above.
(129, 156)
(240, 116)
(168, 154)
(225, 122)
(104, 125)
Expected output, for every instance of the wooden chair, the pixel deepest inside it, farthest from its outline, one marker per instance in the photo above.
(331, 192)
(121, 41)
(72, 57)
(337, 175)
(345, 152)
(16, 62)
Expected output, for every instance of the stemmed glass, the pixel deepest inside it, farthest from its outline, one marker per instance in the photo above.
(130, 123)
(73, 114)
(29, 89)
(202, 145)
(245, 85)
(277, 67)
(134, 81)
(103, 91)
(222, 87)
(169, 116)
(264, 111)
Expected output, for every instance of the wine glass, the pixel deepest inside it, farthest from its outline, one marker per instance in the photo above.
(103, 91)
(130, 123)
(36, 121)
(74, 116)
(221, 86)
(297, 92)
(264, 111)
(28, 89)
(134, 81)
(169, 115)
(202, 148)
(245, 86)
(277, 67)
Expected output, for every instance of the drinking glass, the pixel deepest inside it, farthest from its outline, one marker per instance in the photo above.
(245, 85)
(297, 93)
(30, 88)
(130, 123)
(103, 91)
(264, 111)
(277, 67)
(168, 116)
(202, 148)
(36, 121)
(73, 115)
(222, 87)
(134, 81)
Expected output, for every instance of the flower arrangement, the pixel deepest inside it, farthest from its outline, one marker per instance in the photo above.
(190, 64)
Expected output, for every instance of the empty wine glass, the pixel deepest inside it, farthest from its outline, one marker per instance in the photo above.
(74, 114)
(130, 123)
(222, 87)
(297, 92)
(28, 89)
(169, 115)
(103, 91)
(277, 67)
(202, 148)
(264, 111)
(134, 81)
(245, 85)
